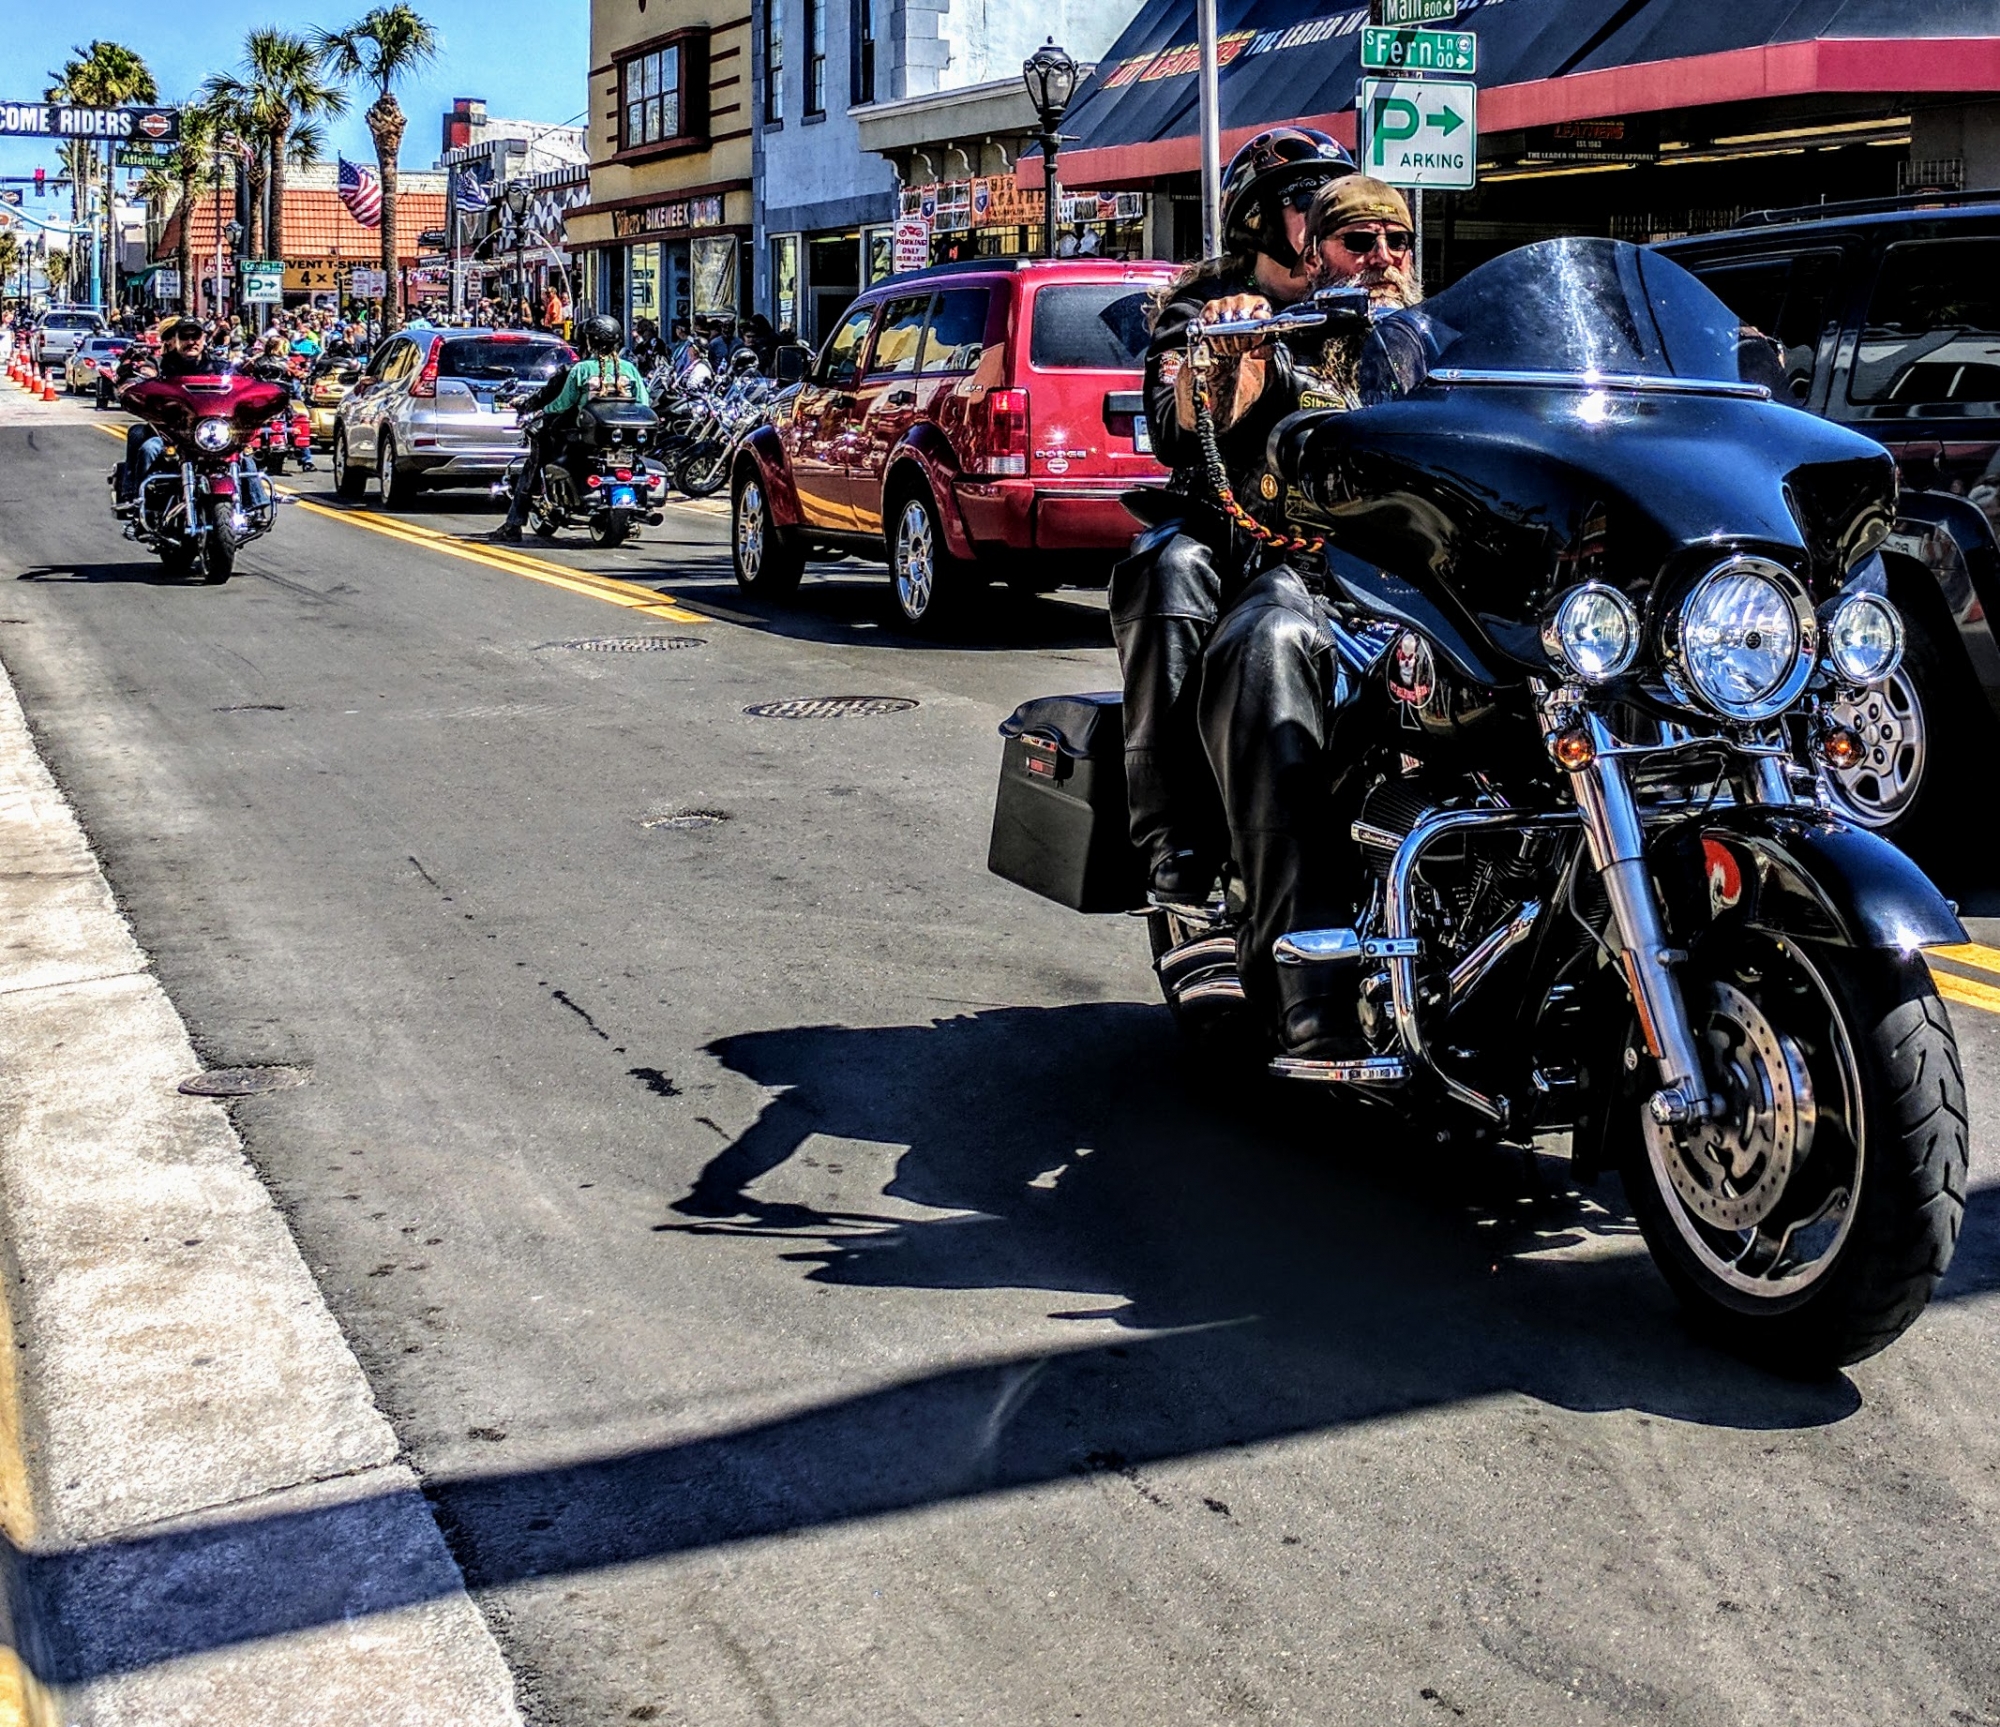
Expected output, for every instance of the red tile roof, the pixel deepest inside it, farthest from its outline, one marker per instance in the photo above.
(317, 226)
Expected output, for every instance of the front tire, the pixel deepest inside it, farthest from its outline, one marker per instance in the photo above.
(349, 482)
(1808, 1228)
(701, 472)
(768, 560)
(218, 545)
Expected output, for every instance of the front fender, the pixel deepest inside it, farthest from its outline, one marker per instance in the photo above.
(1827, 880)
(766, 450)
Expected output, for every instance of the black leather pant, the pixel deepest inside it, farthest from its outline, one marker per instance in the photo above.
(1165, 598)
(524, 487)
(1274, 694)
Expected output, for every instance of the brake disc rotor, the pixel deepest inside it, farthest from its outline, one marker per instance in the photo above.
(1732, 1171)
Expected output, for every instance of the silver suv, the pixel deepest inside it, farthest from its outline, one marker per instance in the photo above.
(56, 335)
(436, 408)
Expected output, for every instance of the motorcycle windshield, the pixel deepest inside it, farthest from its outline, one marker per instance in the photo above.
(1566, 310)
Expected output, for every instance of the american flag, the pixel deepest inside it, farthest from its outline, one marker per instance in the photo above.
(361, 192)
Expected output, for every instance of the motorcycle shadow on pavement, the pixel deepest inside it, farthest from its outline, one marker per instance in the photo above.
(148, 571)
(1274, 1267)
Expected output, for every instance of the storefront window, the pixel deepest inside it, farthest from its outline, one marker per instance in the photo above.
(878, 255)
(645, 268)
(785, 281)
(714, 266)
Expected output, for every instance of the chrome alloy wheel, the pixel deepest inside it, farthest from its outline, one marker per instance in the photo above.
(1765, 1194)
(916, 560)
(1889, 720)
(750, 531)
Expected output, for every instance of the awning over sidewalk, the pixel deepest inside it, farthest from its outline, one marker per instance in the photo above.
(1541, 62)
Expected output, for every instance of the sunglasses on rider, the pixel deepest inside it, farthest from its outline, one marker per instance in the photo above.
(1362, 241)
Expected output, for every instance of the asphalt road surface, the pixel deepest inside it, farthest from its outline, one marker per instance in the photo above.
(802, 1267)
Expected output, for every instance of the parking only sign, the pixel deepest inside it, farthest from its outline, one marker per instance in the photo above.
(1421, 132)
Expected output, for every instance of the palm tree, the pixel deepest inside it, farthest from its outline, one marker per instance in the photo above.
(228, 98)
(384, 46)
(284, 88)
(10, 256)
(102, 75)
(186, 164)
(56, 268)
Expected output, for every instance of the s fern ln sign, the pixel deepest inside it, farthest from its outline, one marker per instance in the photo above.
(1420, 132)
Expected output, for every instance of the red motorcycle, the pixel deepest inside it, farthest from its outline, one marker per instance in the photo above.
(206, 498)
(290, 433)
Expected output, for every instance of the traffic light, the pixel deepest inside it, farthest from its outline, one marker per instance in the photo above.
(41, 182)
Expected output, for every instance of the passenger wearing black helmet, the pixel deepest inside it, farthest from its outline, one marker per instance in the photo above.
(1190, 565)
(602, 375)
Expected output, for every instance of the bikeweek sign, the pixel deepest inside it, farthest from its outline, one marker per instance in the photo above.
(1420, 132)
(59, 120)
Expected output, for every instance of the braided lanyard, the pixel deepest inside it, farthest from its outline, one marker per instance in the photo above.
(1217, 475)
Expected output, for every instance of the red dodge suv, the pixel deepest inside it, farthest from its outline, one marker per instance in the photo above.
(969, 423)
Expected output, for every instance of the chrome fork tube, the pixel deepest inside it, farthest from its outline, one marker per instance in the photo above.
(1617, 846)
(194, 523)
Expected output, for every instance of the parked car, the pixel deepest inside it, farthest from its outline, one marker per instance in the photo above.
(90, 358)
(435, 408)
(965, 424)
(1888, 313)
(58, 331)
(327, 387)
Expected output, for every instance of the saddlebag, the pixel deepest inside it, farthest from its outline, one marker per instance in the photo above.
(1060, 827)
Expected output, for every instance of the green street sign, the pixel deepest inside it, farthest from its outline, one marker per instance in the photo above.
(1420, 133)
(1418, 11)
(1384, 50)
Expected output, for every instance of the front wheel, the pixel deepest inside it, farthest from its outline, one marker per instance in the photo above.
(218, 545)
(701, 471)
(1807, 1225)
(769, 562)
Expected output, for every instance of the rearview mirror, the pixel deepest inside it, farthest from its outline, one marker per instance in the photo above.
(792, 362)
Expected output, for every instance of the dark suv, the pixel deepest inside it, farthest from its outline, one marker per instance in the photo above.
(965, 424)
(1889, 317)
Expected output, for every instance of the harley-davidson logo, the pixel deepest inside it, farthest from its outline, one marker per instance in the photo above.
(155, 125)
(1268, 486)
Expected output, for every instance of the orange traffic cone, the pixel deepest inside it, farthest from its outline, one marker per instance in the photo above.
(48, 389)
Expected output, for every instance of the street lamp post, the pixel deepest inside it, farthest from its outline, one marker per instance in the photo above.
(1051, 77)
(515, 199)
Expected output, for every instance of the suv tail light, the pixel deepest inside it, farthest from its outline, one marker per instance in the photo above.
(1000, 433)
(427, 379)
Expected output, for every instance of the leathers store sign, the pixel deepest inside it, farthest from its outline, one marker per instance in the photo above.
(663, 218)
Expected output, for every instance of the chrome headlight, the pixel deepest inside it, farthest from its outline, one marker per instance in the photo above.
(1744, 641)
(1592, 632)
(212, 435)
(1864, 639)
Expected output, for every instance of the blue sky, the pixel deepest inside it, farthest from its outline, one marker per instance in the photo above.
(529, 61)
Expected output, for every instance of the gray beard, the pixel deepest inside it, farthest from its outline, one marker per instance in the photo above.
(1339, 361)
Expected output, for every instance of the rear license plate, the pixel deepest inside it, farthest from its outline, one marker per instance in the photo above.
(1142, 436)
(623, 498)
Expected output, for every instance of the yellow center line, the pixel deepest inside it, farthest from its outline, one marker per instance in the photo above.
(1966, 991)
(630, 595)
(1971, 954)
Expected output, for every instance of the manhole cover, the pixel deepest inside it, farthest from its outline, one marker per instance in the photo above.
(677, 819)
(829, 707)
(632, 644)
(243, 1081)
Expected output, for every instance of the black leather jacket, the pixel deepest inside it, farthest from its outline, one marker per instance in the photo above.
(1244, 444)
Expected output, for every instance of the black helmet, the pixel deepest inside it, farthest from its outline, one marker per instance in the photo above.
(1284, 159)
(603, 336)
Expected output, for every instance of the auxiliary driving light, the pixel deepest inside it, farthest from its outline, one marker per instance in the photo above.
(1864, 639)
(1593, 632)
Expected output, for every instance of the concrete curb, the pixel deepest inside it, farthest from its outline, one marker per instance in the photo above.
(206, 1515)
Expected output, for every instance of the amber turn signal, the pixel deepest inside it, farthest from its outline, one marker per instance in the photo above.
(1573, 749)
(1841, 747)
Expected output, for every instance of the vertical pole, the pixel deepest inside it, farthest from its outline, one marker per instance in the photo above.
(1417, 230)
(1052, 193)
(1211, 135)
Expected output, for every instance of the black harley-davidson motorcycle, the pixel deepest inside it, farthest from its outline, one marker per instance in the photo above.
(1609, 599)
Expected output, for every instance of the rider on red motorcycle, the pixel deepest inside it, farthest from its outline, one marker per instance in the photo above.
(184, 353)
